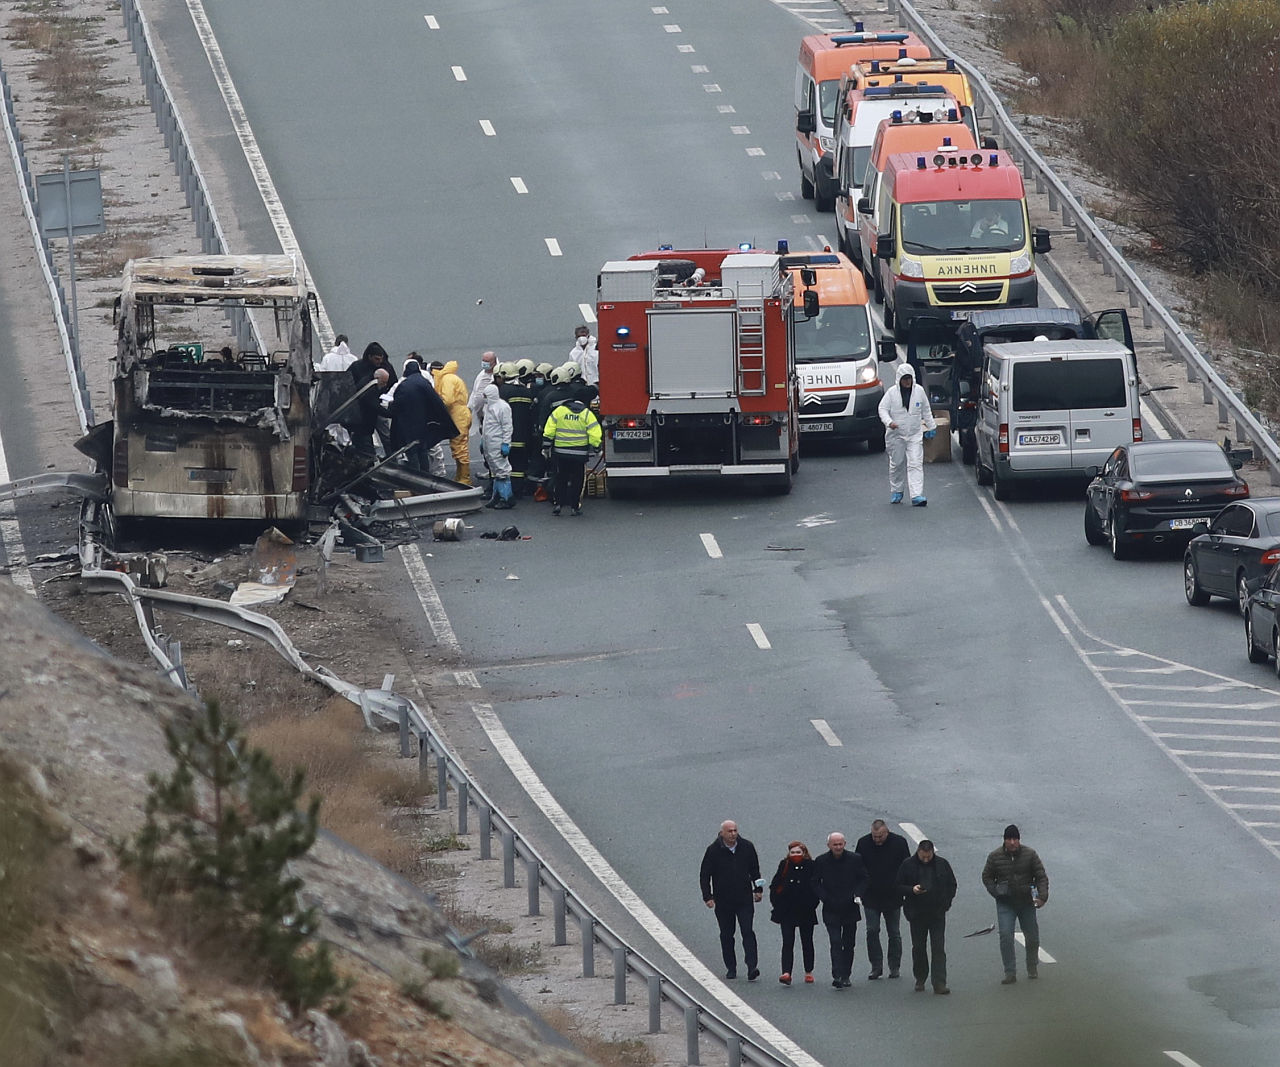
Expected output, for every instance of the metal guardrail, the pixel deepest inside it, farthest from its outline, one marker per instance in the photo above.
(1199, 367)
(70, 345)
(417, 733)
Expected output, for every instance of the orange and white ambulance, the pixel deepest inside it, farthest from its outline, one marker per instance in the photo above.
(956, 236)
(824, 59)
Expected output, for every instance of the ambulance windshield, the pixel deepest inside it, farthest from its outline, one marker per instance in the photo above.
(952, 226)
(837, 334)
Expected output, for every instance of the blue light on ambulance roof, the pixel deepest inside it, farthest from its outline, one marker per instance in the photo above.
(946, 142)
(783, 246)
(896, 115)
(665, 248)
(919, 162)
(953, 115)
(858, 26)
(995, 159)
(744, 246)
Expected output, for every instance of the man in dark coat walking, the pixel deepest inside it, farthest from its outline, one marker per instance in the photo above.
(883, 852)
(1015, 877)
(928, 886)
(731, 884)
(419, 417)
(839, 875)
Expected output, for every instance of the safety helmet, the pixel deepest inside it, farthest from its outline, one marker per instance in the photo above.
(524, 367)
(506, 370)
(906, 370)
(558, 376)
(544, 369)
(573, 370)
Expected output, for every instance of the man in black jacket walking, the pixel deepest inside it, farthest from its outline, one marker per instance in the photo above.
(839, 876)
(928, 886)
(883, 852)
(731, 884)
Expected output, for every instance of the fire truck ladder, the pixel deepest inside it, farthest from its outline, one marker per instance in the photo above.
(751, 370)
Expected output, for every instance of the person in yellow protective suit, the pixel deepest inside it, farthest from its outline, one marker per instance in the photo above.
(453, 391)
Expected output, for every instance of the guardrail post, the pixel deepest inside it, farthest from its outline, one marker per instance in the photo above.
(1208, 399)
(405, 751)
(691, 1035)
(442, 782)
(619, 975)
(508, 859)
(735, 1052)
(588, 926)
(531, 877)
(1224, 416)
(560, 909)
(464, 799)
(486, 832)
(655, 1004)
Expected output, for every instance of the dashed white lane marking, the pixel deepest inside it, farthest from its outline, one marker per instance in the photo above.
(1044, 956)
(712, 88)
(755, 151)
(699, 68)
(11, 535)
(625, 895)
(553, 246)
(738, 131)
(1180, 1058)
(709, 543)
(588, 312)
(771, 175)
(459, 74)
(823, 239)
(826, 733)
(757, 635)
(672, 28)
(914, 834)
(487, 127)
(660, 11)
(686, 48)
(519, 185)
(726, 109)
(432, 22)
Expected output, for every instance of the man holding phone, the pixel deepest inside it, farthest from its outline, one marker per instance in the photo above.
(928, 886)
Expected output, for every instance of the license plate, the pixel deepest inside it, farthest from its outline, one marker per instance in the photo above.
(817, 427)
(1185, 524)
(633, 435)
(1039, 439)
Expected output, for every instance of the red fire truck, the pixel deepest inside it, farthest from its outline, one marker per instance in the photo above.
(697, 367)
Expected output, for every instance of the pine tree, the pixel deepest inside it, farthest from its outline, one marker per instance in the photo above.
(220, 833)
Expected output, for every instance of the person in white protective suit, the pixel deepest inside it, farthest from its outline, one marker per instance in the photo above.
(908, 420)
(495, 442)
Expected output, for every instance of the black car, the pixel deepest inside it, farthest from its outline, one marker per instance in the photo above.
(1239, 549)
(1262, 620)
(1157, 491)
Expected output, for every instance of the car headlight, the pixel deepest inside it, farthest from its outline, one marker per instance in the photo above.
(910, 268)
(867, 373)
(826, 144)
(1020, 264)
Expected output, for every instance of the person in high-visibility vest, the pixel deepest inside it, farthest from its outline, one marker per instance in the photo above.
(570, 435)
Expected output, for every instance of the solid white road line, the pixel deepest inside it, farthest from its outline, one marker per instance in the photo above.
(709, 543)
(459, 74)
(487, 127)
(11, 535)
(519, 185)
(432, 22)
(757, 634)
(553, 246)
(432, 606)
(625, 895)
(913, 833)
(1180, 1058)
(826, 733)
(588, 312)
(1044, 956)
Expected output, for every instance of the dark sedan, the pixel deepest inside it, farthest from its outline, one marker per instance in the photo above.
(1241, 547)
(1154, 492)
(1262, 620)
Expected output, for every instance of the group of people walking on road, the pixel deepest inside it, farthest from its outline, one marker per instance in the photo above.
(535, 421)
(880, 878)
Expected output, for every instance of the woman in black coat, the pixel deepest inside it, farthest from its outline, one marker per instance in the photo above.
(795, 907)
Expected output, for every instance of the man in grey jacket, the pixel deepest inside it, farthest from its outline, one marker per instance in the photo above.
(1014, 875)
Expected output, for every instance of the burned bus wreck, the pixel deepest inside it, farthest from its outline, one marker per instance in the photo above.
(210, 392)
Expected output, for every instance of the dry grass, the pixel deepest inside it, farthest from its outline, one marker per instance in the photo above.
(509, 957)
(106, 253)
(70, 72)
(252, 681)
(631, 1052)
(357, 781)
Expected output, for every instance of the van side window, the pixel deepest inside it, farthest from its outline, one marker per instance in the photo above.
(991, 381)
(804, 90)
